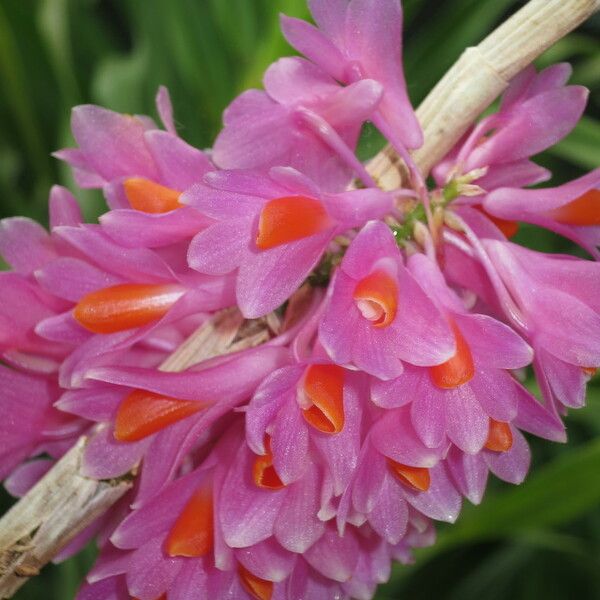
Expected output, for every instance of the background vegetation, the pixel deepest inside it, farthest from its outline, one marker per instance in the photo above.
(541, 540)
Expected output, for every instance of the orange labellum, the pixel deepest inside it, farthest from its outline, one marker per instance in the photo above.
(193, 533)
(457, 370)
(584, 210)
(125, 306)
(256, 587)
(143, 413)
(285, 220)
(417, 478)
(263, 471)
(500, 437)
(324, 387)
(377, 298)
(589, 371)
(149, 197)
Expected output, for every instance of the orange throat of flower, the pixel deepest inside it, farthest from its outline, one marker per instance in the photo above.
(259, 589)
(459, 369)
(322, 398)
(285, 220)
(416, 478)
(125, 306)
(144, 413)
(192, 535)
(500, 437)
(581, 212)
(376, 297)
(263, 472)
(149, 197)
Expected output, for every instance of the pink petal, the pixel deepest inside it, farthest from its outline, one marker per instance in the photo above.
(534, 125)
(247, 513)
(220, 248)
(270, 277)
(105, 457)
(374, 39)
(24, 244)
(135, 229)
(273, 392)
(151, 572)
(313, 44)
(113, 144)
(289, 442)
(389, 517)
(267, 560)
(441, 501)
(63, 207)
(467, 424)
(469, 473)
(334, 556)
(393, 435)
(179, 164)
(297, 527)
(71, 278)
(511, 466)
(492, 343)
(165, 109)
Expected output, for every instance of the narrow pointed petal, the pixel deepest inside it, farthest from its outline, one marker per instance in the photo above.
(441, 502)
(267, 560)
(334, 556)
(389, 517)
(512, 465)
(466, 422)
(64, 208)
(297, 527)
(469, 473)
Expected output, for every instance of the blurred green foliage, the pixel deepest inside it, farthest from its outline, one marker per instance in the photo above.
(540, 540)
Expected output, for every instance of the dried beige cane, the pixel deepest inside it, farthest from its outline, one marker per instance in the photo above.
(64, 502)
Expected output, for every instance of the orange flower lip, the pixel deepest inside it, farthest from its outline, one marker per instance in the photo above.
(258, 588)
(263, 471)
(192, 535)
(323, 387)
(149, 197)
(500, 438)
(288, 219)
(125, 306)
(417, 478)
(376, 296)
(457, 370)
(582, 211)
(143, 413)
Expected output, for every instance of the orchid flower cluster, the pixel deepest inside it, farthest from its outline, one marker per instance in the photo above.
(399, 324)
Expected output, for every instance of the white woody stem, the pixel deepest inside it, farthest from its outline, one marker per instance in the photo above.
(53, 512)
(64, 502)
(479, 76)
